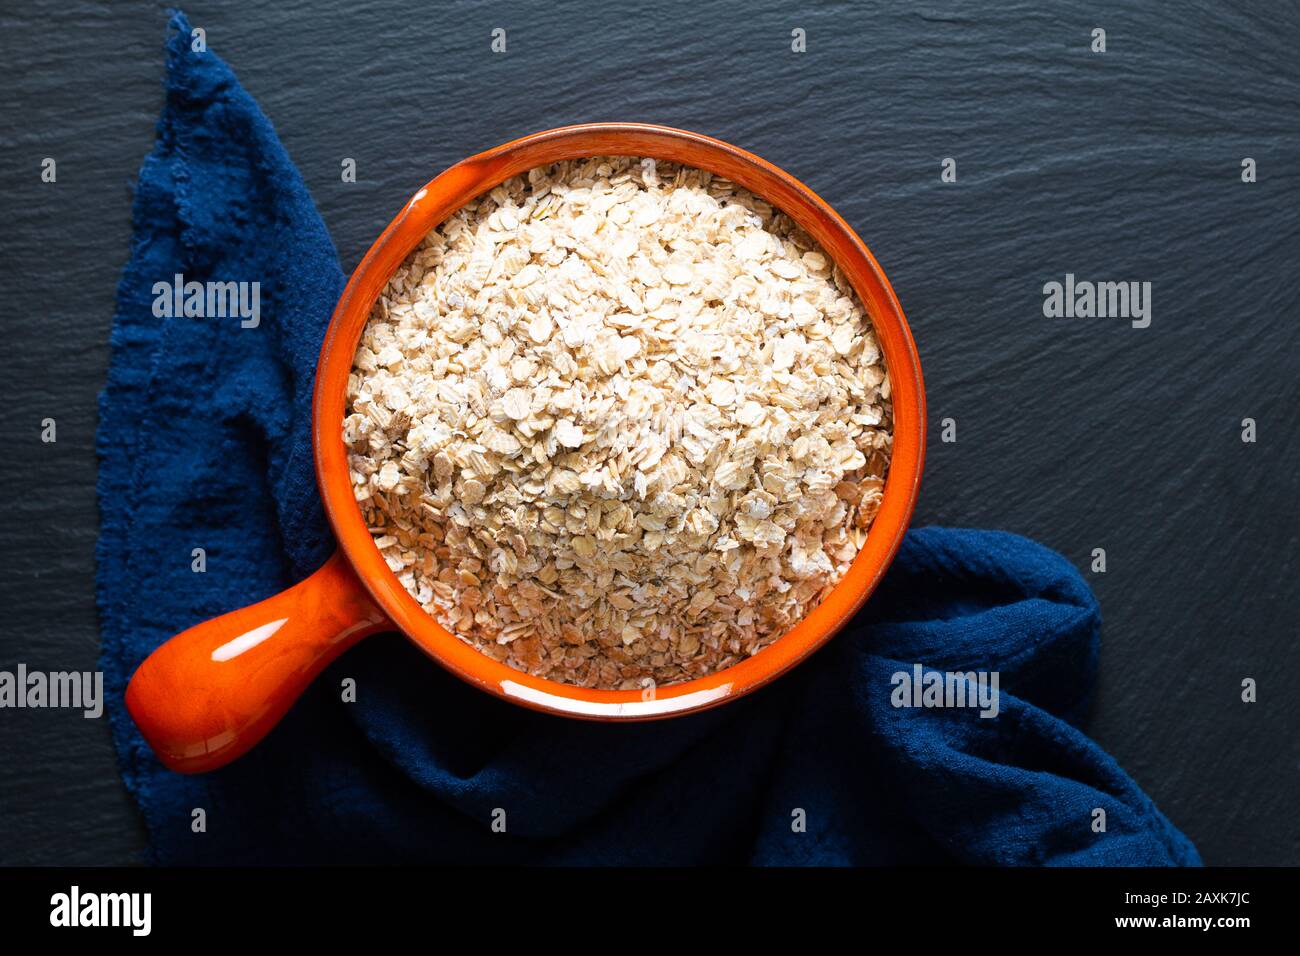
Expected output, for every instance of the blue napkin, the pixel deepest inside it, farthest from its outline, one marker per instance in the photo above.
(204, 443)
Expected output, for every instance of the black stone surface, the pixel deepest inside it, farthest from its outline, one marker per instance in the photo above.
(1080, 433)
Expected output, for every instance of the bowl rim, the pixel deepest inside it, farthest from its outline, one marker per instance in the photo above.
(477, 174)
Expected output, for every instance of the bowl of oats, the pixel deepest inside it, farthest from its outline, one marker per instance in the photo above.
(615, 421)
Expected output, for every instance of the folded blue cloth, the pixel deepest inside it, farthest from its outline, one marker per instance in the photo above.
(204, 443)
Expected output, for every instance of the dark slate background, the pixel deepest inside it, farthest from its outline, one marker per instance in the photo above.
(1080, 433)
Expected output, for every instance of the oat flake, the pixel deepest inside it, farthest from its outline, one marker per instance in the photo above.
(618, 419)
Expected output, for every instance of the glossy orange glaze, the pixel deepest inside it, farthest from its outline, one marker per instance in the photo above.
(198, 714)
(210, 693)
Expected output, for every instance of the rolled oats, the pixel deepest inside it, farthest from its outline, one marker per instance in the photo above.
(618, 419)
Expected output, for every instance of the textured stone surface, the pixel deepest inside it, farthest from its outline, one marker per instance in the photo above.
(1080, 433)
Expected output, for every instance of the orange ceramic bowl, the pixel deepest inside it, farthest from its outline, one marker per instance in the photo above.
(210, 693)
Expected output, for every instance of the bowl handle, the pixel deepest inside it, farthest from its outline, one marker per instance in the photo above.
(210, 693)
